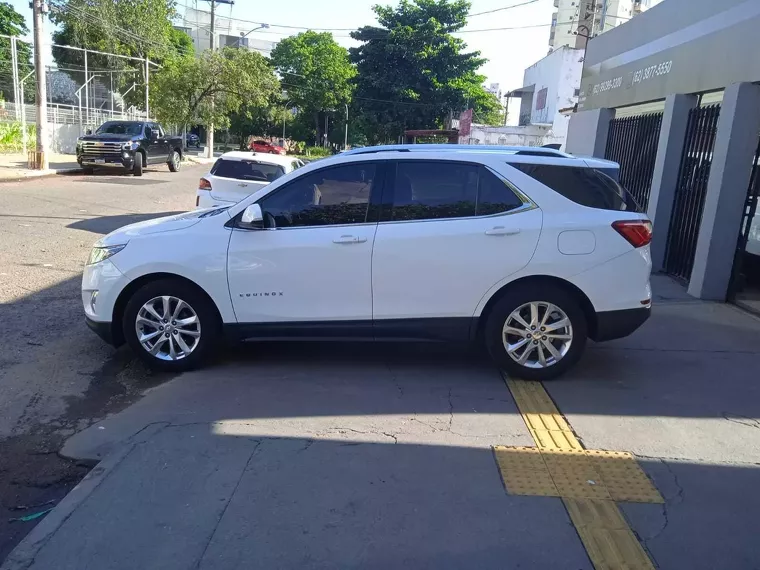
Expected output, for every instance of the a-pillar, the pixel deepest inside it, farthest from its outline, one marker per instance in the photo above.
(735, 145)
(588, 131)
(666, 168)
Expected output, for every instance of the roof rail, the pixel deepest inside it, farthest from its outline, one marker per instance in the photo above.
(523, 150)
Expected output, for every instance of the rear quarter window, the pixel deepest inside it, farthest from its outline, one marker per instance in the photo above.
(585, 186)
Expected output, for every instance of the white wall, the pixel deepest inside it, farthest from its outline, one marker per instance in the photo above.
(555, 78)
(509, 136)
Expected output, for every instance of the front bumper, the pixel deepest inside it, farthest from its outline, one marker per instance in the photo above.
(103, 330)
(611, 325)
(125, 159)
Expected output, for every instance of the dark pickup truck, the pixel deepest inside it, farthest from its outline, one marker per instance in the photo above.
(130, 144)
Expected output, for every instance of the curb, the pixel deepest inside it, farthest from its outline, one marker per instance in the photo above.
(41, 174)
(22, 557)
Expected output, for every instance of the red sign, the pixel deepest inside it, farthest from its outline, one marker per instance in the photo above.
(465, 123)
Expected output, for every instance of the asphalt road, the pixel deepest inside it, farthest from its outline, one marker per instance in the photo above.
(56, 377)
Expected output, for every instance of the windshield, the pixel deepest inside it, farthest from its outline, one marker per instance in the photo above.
(247, 170)
(119, 128)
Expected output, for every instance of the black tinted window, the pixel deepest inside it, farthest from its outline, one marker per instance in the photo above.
(247, 170)
(329, 196)
(494, 196)
(431, 190)
(435, 190)
(584, 186)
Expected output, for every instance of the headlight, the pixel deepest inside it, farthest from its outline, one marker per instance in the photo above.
(99, 254)
(130, 146)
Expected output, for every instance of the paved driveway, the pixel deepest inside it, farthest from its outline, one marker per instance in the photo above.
(352, 455)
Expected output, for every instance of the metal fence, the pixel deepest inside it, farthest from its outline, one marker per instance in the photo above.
(746, 269)
(88, 88)
(691, 190)
(632, 142)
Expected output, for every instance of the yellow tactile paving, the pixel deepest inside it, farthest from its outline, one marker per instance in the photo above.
(608, 539)
(588, 481)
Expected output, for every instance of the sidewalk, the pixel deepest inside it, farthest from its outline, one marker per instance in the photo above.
(348, 456)
(13, 166)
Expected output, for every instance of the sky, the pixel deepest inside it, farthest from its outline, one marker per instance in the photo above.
(508, 52)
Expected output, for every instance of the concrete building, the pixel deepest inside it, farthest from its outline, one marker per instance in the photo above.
(689, 67)
(576, 20)
(229, 33)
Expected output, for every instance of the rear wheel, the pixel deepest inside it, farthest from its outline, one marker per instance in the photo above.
(536, 333)
(137, 169)
(175, 161)
(171, 325)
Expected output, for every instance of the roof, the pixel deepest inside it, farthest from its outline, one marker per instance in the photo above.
(259, 156)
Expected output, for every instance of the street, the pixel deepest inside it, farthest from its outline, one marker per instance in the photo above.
(341, 455)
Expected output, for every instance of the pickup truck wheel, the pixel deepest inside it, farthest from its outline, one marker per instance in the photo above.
(137, 169)
(175, 161)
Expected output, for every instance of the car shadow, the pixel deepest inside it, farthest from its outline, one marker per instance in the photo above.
(107, 224)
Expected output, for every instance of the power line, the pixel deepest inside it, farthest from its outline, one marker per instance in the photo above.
(501, 9)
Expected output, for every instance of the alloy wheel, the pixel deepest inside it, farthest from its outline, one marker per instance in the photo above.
(537, 334)
(168, 328)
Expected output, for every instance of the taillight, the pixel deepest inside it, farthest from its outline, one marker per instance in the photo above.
(204, 184)
(636, 232)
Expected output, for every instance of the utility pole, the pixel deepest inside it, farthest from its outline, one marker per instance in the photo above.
(210, 127)
(41, 157)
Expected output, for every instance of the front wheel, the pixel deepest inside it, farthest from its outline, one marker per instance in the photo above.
(137, 169)
(171, 325)
(536, 333)
(175, 161)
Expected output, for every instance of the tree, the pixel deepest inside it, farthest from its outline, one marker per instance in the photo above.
(13, 24)
(412, 72)
(135, 28)
(183, 90)
(316, 73)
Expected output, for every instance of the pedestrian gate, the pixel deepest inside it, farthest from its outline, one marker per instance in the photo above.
(632, 142)
(691, 191)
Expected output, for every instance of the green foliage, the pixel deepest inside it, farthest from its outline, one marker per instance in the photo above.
(316, 73)
(182, 92)
(13, 24)
(10, 137)
(136, 28)
(413, 59)
(317, 151)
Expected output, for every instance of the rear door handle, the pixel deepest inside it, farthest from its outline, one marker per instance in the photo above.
(349, 239)
(502, 231)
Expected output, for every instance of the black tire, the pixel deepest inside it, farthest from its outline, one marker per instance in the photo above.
(137, 169)
(519, 296)
(207, 315)
(175, 161)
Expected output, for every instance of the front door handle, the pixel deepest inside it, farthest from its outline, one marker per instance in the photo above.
(502, 231)
(349, 239)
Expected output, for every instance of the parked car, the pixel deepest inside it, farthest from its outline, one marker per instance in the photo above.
(529, 252)
(191, 139)
(129, 144)
(237, 174)
(264, 146)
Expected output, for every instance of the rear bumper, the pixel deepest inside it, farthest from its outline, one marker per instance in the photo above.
(618, 324)
(103, 330)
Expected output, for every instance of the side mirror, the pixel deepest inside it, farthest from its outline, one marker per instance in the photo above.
(253, 217)
(154, 133)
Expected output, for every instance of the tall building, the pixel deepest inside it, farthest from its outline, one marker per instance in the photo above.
(577, 20)
(228, 32)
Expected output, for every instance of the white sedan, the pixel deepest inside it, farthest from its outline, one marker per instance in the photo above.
(240, 173)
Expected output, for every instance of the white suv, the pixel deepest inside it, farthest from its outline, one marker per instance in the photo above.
(529, 251)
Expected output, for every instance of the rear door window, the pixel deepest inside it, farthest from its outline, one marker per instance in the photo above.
(247, 170)
(584, 186)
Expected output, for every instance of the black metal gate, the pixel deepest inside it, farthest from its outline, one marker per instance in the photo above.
(632, 142)
(689, 200)
(746, 268)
